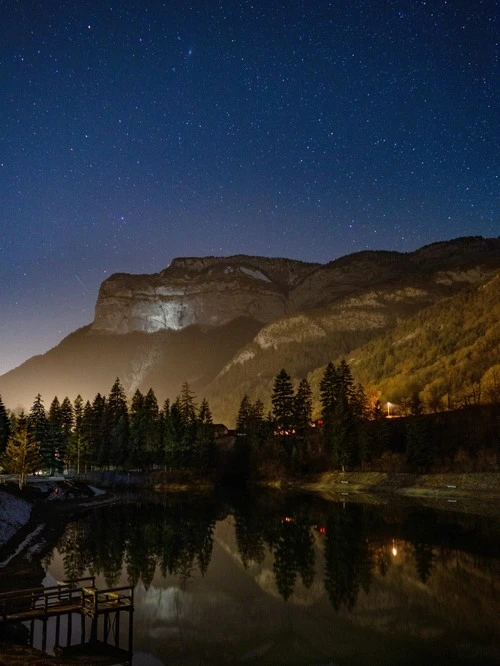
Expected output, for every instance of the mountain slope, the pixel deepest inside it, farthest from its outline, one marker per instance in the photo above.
(229, 324)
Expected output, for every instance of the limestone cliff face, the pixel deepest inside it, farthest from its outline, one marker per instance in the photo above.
(212, 291)
(204, 291)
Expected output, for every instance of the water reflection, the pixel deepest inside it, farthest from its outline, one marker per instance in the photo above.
(359, 581)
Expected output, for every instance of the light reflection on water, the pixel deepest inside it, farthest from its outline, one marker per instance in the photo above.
(287, 580)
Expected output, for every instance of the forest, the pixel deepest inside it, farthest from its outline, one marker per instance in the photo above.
(352, 433)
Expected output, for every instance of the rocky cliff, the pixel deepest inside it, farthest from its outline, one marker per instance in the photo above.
(209, 291)
(228, 324)
(212, 291)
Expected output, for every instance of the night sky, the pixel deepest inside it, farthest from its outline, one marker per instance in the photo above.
(133, 132)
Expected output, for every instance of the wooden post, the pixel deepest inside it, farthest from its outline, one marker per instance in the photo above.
(44, 634)
(117, 628)
(58, 626)
(70, 627)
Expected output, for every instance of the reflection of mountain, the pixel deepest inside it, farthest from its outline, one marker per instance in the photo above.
(358, 581)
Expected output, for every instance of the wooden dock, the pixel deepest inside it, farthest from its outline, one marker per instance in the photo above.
(79, 596)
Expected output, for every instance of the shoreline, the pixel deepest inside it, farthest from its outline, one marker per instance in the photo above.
(447, 485)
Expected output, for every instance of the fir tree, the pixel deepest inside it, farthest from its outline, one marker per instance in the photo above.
(204, 444)
(55, 433)
(328, 390)
(86, 451)
(117, 423)
(283, 402)
(38, 431)
(303, 408)
(152, 439)
(67, 424)
(345, 436)
(75, 442)
(138, 430)
(187, 405)
(5, 429)
(99, 451)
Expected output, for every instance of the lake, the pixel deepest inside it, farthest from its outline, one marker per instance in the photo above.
(282, 579)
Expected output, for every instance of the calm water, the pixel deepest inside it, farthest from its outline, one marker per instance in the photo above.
(275, 579)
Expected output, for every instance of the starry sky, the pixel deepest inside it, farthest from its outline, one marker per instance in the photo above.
(134, 132)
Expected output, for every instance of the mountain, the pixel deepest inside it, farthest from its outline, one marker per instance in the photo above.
(227, 325)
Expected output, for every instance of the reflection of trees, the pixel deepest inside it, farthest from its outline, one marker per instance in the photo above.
(287, 534)
(177, 536)
(348, 564)
(249, 537)
(292, 544)
(421, 530)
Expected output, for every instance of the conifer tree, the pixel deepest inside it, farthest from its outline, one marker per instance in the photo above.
(187, 405)
(55, 433)
(164, 426)
(75, 442)
(86, 451)
(5, 429)
(244, 415)
(283, 402)
(99, 454)
(303, 408)
(328, 388)
(345, 435)
(117, 423)
(175, 441)
(152, 441)
(67, 423)
(138, 430)
(204, 437)
(38, 431)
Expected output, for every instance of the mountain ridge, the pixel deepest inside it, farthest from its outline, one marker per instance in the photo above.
(204, 318)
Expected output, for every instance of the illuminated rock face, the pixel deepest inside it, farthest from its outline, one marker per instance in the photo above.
(212, 291)
(206, 291)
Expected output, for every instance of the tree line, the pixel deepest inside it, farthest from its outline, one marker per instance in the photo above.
(108, 433)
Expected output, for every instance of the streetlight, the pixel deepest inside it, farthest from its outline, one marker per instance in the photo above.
(389, 405)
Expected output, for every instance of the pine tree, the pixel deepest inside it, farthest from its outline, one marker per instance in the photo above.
(117, 422)
(303, 408)
(345, 436)
(75, 442)
(283, 402)
(244, 415)
(138, 429)
(86, 451)
(67, 423)
(22, 455)
(152, 441)
(164, 429)
(328, 391)
(38, 431)
(345, 382)
(204, 446)
(5, 429)
(55, 431)
(99, 452)
(187, 405)
(175, 441)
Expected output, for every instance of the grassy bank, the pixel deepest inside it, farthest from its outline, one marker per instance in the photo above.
(480, 485)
